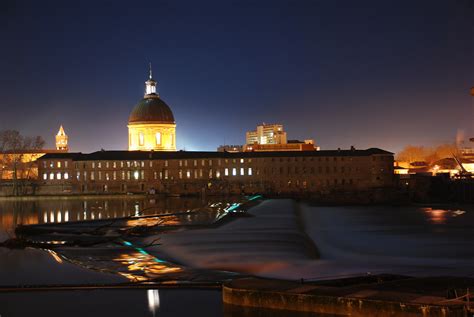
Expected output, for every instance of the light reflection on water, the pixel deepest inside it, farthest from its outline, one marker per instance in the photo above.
(45, 211)
(143, 266)
(439, 216)
(153, 300)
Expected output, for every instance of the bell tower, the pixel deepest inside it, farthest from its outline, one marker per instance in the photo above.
(61, 140)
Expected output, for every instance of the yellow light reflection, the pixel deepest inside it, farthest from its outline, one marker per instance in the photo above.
(55, 256)
(141, 266)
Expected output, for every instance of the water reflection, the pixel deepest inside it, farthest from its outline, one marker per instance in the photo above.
(13, 213)
(153, 300)
(142, 266)
(440, 216)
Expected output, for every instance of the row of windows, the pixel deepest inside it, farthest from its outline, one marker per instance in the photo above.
(181, 174)
(57, 176)
(202, 162)
(53, 164)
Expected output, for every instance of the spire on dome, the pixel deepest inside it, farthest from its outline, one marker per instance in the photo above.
(150, 84)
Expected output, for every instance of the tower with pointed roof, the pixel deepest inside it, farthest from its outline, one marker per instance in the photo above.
(151, 124)
(61, 140)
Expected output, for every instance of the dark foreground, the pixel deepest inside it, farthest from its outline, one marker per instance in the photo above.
(381, 296)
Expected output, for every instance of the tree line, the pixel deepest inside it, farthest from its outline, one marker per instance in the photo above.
(413, 153)
(16, 161)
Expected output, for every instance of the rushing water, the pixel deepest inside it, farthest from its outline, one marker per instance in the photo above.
(349, 240)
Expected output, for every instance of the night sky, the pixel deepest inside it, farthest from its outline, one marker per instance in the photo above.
(364, 73)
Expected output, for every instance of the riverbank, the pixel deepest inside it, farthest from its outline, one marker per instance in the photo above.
(407, 297)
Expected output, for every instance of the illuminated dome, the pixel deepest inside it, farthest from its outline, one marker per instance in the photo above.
(151, 109)
(151, 125)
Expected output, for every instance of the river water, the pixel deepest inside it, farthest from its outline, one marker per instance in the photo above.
(428, 240)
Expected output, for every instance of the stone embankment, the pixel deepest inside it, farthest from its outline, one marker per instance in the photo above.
(365, 296)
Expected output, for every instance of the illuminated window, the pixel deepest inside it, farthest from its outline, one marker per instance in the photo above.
(180, 173)
(114, 164)
(155, 175)
(141, 139)
(107, 176)
(234, 171)
(123, 175)
(78, 175)
(218, 174)
(166, 174)
(107, 164)
(226, 172)
(115, 175)
(241, 160)
(65, 164)
(250, 171)
(93, 164)
(58, 176)
(188, 174)
(143, 174)
(66, 175)
(99, 164)
(242, 172)
(158, 138)
(45, 176)
(51, 176)
(136, 175)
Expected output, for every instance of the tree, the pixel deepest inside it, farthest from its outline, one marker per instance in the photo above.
(13, 148)
(412, 153)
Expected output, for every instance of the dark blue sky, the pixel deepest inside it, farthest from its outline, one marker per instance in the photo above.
(364, 73)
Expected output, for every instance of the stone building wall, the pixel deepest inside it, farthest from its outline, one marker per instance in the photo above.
(218, 173)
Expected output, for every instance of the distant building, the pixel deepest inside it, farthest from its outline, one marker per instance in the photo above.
(151, 124)
(266, 134)
(61, 140)
(272, 137)
(230, 148)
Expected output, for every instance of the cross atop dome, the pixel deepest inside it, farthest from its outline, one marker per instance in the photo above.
(150, 85)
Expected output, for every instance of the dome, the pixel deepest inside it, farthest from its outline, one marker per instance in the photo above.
(151, 109)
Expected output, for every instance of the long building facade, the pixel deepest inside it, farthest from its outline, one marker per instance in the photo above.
(182, 172)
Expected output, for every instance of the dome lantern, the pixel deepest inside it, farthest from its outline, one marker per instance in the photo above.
(150, 84)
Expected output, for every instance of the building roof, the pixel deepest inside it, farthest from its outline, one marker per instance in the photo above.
(154, 155)
(151, 109)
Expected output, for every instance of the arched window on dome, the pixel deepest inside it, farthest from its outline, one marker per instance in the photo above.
(141, 139)
(158, 138)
